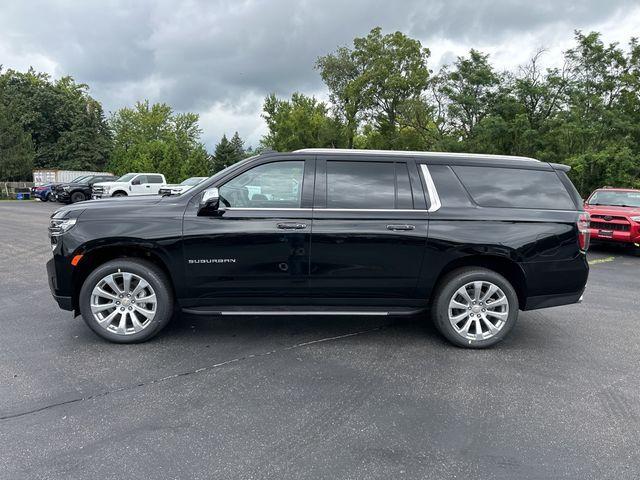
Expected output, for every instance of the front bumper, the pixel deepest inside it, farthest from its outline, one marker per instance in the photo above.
(62, 196)
(631, 236)
(64, 302)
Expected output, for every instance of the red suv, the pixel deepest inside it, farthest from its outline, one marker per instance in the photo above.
(615, 215)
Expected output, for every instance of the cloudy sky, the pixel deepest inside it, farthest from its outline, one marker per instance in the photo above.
(220, 58)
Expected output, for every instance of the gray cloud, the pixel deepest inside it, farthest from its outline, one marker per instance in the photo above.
(221, 58)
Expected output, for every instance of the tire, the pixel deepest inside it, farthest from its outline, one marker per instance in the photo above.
(147, 325)
(501, 311)
(48, 198)
(119, 194)
(78, 197)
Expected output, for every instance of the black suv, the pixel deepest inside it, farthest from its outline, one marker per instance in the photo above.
(473, 238)
(80, 189)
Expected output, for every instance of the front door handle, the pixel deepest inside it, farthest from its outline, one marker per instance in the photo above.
(401, 227)
(292, 226)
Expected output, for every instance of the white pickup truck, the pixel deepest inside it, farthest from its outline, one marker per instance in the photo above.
(129, 185)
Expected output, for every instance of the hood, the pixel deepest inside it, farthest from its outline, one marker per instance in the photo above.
(612, 210)
(102, 184)
(72, 184)
(108, 204)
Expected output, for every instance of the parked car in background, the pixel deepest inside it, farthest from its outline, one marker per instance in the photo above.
(46, 191)
(182, 187)
(615, 216)
(469, 239)
(42, 192)
(131, 184)
(55, 176)
(79, 189)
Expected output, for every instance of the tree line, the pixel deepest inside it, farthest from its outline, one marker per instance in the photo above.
(382, 95)
(47, 123)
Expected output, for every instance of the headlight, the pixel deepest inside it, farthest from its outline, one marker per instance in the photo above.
(105, 189)
(59, 226)
(635, 219)
(65, 188)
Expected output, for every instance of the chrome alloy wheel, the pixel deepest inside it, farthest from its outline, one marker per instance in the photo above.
(478, 310)
(123, 303)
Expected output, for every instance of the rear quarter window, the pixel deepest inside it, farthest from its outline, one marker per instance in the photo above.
(515, 188)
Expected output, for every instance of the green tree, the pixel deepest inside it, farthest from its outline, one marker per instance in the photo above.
(300, 122)
(469, 88)
(374, 80)
(224, 154)
(16, 148)
(66, 125)
(238, 147)
(152, 138)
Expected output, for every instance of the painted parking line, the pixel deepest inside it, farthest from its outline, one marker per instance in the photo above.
(596, 261)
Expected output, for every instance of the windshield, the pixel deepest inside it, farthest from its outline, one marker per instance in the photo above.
(127, 177)
(80, 179)
(193, 181)
(615, 199)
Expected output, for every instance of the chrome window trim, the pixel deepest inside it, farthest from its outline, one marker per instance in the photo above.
(267, 208)
(405, 210)
(402, 210)
(434, 198)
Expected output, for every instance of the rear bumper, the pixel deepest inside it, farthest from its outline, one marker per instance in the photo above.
(554, 283)
(545, 301)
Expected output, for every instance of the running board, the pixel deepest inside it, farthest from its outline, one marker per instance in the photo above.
(289, 311)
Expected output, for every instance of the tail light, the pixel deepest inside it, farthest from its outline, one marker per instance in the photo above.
(583, 231)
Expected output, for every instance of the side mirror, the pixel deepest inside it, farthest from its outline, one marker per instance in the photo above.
(209, 201)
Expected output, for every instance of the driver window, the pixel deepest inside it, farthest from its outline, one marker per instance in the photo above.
(272, 185)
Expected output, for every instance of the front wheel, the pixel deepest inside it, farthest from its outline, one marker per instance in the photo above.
(475, 307)
(119, 194)
(126, 300)
(78, 197)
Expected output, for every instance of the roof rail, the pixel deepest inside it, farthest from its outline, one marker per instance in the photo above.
(410, 153)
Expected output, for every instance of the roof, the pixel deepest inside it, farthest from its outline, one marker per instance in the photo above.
(409, 153)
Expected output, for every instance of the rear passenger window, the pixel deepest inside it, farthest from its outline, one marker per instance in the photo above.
(368, 185)
(154, 179)
(515, 188)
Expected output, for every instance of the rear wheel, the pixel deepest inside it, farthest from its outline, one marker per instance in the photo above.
(78, 197)
(48, 197)
(126, 300)
(475, 307)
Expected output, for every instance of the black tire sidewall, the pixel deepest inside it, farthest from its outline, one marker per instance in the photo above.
(145, 269)
(119, 194)
(455, 280)
(74, 194)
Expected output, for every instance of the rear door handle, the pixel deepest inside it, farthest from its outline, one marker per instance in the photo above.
(292, 226)
(401, 227)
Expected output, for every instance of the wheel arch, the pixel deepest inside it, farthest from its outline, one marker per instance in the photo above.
(506, 267)
(120, 191)
(94, 257)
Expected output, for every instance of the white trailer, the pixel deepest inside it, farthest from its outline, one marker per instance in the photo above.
(42, 177)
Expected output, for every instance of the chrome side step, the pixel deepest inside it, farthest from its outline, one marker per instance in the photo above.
(261, 311)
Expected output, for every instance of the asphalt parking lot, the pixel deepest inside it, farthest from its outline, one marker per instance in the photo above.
(314, 397)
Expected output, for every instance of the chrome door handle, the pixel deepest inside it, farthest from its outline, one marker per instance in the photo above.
(401, 227)
(292, 226)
